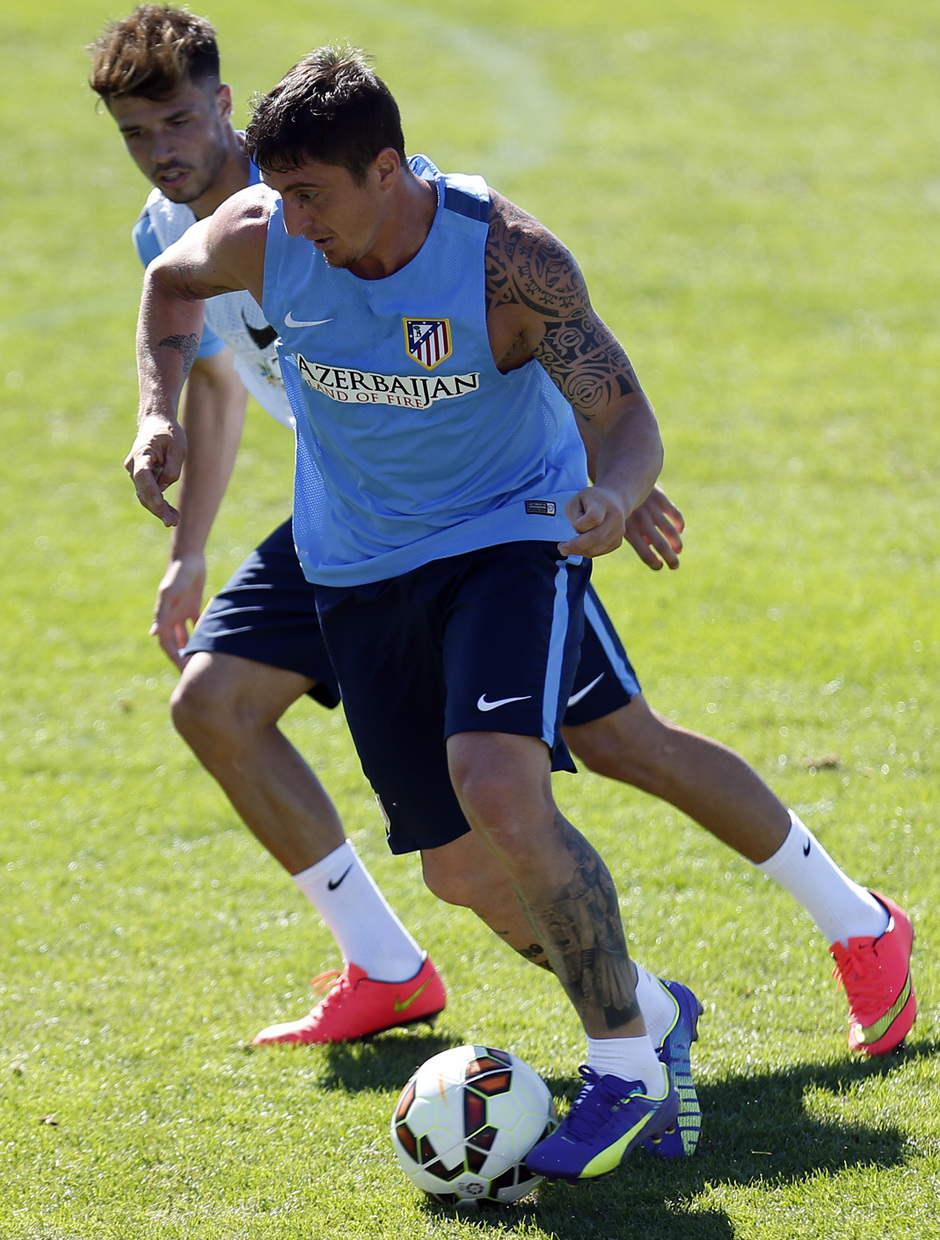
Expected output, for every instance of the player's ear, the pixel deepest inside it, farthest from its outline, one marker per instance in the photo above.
(387, 166)
(223, 99)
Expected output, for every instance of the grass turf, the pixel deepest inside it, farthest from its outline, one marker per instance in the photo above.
(753, 195)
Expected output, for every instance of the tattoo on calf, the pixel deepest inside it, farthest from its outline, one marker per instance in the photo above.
(584, 937)
(186, 346)
(535, 953)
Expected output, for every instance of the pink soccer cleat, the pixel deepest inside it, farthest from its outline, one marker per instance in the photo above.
(876, 975)
(356, 1006)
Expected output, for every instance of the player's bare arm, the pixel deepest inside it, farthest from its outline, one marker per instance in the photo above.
(212, 412)
(221, 254)
(538, 308)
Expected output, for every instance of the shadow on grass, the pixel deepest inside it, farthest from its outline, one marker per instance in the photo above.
(755, 1130)
(590, 1214)
(385, 1062)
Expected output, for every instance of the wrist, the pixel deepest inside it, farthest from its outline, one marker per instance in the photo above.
(194, 557)
(162, 416)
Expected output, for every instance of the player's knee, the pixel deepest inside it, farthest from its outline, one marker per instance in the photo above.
(188, 710)
(202, 707)
(496, 806)
(502, 783)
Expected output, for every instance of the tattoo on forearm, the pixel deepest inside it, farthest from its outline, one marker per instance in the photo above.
(186, 346)
(583, 937)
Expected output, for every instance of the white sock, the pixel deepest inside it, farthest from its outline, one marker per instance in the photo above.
(840, 907)
(632, 1059)
(366, 930)
(658, 1006)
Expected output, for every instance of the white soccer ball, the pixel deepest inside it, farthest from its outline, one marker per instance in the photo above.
(466, 1120)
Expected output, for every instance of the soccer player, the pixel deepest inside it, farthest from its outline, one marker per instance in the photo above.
(445, 518)
(356, 210)
(257, 648)
(146, 62)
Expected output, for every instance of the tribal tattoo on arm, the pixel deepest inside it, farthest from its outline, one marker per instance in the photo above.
(529, 268)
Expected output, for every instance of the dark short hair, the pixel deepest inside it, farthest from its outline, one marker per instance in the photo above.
(153, 52)
(330, 107)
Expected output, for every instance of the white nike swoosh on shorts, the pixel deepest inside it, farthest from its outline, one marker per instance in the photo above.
(576, 697)
(292, 322)
(483, 704)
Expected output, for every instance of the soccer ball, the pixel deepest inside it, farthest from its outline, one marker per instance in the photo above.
(466, 1120)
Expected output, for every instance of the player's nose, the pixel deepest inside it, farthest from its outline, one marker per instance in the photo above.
(163, 150)
(295, 218)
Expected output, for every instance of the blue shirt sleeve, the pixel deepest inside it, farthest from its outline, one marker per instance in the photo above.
(148, 247)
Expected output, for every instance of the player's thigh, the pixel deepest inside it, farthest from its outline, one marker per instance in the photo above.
(236, 691)
(406, 649)
(384, 641)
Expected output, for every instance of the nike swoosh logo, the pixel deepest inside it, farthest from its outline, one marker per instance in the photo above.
(334, 883)
(292, 322)
(400, 1005)
(576, 697)
(881, 1027)
(806, 848)
(483, 704)
(262, 336)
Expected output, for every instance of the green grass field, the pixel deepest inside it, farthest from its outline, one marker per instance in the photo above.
(754, 194)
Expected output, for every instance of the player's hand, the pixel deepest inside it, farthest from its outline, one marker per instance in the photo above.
(155, 462)
(654, 530)
(598, 519)
(179, 602)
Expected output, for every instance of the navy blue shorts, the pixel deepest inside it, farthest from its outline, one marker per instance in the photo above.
(605, 679)
(487, 641)
(267, 612)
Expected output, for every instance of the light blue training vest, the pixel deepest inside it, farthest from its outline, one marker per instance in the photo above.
(411, 445)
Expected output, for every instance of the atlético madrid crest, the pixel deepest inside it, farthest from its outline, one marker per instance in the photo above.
(427, 341)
